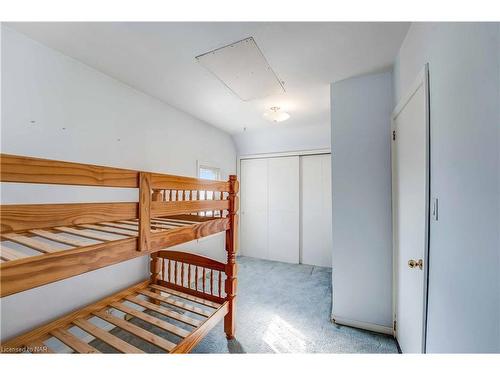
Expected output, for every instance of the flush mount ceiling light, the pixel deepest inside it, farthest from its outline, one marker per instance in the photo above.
(275, 115)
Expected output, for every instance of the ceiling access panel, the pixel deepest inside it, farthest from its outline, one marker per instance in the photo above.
(243, 68)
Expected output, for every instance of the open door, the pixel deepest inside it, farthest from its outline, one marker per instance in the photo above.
(410, 205)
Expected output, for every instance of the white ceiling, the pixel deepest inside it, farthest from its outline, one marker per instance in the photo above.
(159, 59)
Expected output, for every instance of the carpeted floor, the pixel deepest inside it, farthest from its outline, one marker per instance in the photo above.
(281, 308)
(285, 308)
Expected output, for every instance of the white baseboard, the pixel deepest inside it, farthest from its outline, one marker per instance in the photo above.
(363, 325)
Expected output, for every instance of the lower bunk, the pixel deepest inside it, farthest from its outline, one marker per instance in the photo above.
(170, 313)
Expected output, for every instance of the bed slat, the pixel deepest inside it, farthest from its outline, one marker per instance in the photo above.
(131, 222)
(138, 331)
(82, 233)
(173, 302)
(6, 253)
(118, 225)
(177, 221)
(154, 224)
(151, 319)
(57, 238)
(30, 242)
(164, 311)
(172, 223)
(122, 232)
(186, 296)
(73, 342)
(107, 337)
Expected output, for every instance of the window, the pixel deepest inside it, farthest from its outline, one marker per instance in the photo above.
(208, 173)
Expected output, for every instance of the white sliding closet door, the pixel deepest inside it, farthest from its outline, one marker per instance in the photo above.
(270, 208)
(284, 209)
(254, 208)
(316, 210)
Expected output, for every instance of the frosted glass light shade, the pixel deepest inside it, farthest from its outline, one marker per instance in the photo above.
(275, 115)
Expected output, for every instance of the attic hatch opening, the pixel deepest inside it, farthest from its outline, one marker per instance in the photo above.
(243, 69)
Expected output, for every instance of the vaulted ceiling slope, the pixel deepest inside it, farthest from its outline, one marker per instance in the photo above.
(158, 58)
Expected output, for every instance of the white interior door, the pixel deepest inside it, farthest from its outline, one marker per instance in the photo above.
(316, 210)
(410, 167)
(254, 212)
(284, 209)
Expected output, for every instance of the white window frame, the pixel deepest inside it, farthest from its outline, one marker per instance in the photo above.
(205, 165)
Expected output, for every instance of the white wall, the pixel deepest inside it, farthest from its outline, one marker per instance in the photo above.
(464, 71)
(280, 138)
(85, 116)
(361, 187)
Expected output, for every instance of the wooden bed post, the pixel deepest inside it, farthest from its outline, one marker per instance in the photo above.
(231, 266)
(155, 264)
(144, 211)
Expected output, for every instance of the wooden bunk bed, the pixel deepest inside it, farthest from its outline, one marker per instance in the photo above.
(186, 294)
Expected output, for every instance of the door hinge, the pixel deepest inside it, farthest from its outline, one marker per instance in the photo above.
(394, 135)
(394, 325)
(435, 209)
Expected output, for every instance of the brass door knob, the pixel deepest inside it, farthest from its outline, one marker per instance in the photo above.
(412, 263)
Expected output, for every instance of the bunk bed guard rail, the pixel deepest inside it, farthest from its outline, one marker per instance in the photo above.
(171, 210)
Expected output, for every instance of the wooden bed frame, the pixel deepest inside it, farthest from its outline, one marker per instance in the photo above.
(186, 294)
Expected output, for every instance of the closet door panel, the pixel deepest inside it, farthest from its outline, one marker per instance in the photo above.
(283, 238)
(254, 208)
(284, 209)
(316, 210)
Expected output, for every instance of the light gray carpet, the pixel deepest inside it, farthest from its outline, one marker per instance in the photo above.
(285, 308)
(281, 308)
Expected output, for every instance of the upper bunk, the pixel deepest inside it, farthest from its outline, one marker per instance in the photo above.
(43, 243)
